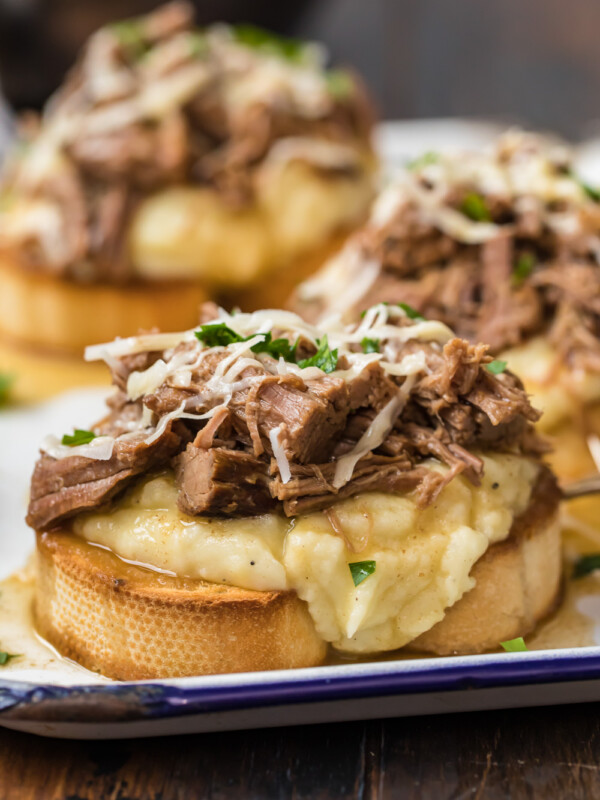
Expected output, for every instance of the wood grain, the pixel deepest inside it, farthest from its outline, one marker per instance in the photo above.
(530, 754)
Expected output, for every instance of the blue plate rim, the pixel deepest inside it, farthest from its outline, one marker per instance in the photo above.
(215, 694)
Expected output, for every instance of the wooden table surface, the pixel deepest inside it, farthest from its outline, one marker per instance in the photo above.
(543, 753)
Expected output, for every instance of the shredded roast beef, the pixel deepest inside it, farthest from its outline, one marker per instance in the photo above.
(63, 487)
(148, 105)
(229, 460)
(536, 272)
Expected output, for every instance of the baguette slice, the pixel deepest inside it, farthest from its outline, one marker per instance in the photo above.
(57, 316)
(518, 583)
(131, 623)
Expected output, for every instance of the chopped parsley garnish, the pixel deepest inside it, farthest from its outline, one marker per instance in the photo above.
(220, 335)
(523, 268)
(217, 335)
(130, 34)
(514, 645)
(278, 348)
(198, 44)
(496, 367)
(592, 192)
(340, 83)
(268, 42)
(474, 207)
(6, 657)
(586, 565)
(360, 570)
(430, 157)
(6, 382)
(370, 345)
(411, 312)
(78, 437)
(324, 358)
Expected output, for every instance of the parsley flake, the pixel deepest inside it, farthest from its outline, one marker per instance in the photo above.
(370, 345)
(340, 83)
(6, 383)
(591, 191)
(6, 657)
(217, 335)
(496, 367)
(474, 207)
(586, 565)
(220, 335)
(515, 645)
(78, 437)
(130, 34)
(523, 268)
(430, 157)
(198, 44)
(360, 570)
(324, 358)
(270, 43)
(411, 312)
(278, 348)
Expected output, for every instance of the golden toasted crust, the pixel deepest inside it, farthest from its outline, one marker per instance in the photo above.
(518, 583)
(38, 376)
(51, 317)
(60, 316)
(132, 624)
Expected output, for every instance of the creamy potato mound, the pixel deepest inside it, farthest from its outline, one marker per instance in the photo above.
(186, 232)
(423, 558)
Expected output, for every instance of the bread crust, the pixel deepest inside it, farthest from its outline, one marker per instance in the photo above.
(131, 623)
(58, 316)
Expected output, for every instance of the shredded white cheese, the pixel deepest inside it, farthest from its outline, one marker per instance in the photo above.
(374, 435)
(283, 464)
(181, 354)
(100, 448)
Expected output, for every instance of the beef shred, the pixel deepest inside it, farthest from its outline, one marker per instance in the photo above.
(276, 441)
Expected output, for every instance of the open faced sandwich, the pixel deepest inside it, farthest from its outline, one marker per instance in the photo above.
(504, 247)
(173, 164)
(262, 489)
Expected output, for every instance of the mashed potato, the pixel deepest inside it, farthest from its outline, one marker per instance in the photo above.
(422, 557)
(188, 232)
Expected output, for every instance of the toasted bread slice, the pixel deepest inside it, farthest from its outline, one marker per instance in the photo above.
(58, 316)
(132, 623)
